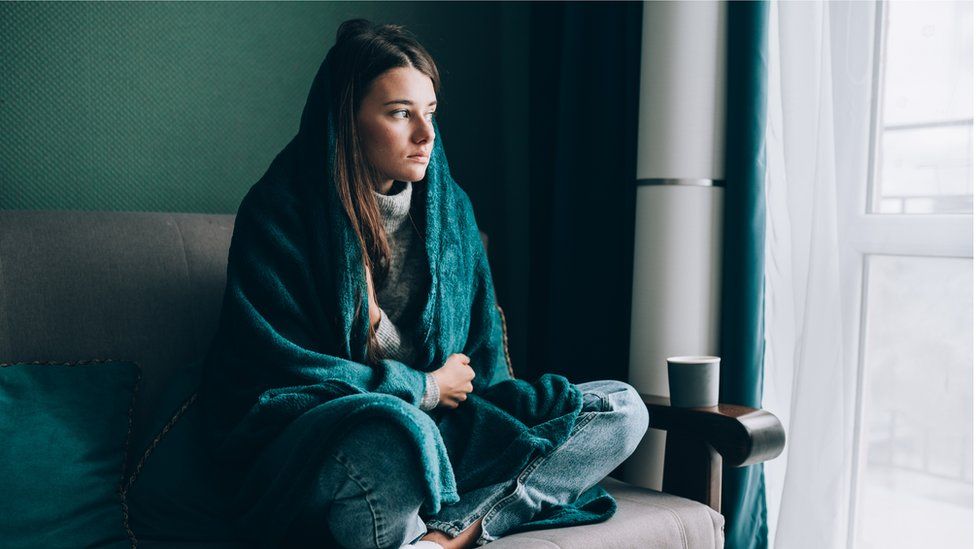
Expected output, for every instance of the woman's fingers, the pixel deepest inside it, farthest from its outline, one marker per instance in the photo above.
(458, 374)
(453, 402)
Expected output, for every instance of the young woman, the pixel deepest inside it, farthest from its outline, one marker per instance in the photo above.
(357, 386)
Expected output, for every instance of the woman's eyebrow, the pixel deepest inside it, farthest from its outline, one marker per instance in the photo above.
(406, 102)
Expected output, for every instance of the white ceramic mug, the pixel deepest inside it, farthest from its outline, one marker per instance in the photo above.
(693, 381)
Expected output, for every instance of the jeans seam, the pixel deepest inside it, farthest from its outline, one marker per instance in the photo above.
(364, 486)
(446, 527)
(584, 419)
(456, 527)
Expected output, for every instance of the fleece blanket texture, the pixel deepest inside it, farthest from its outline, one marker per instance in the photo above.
(286, 374)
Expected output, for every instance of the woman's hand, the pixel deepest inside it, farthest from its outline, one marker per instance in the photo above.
(454, 380)
(374, 306)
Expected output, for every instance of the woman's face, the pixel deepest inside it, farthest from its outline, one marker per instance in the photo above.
(395, 124)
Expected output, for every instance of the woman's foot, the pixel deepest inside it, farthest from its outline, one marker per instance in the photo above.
(463, 540)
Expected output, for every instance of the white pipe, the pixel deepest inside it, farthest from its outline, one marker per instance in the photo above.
(677, 241)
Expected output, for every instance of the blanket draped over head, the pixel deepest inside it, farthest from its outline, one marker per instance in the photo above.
(286, 375)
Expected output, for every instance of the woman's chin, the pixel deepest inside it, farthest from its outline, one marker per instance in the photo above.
(413, 176)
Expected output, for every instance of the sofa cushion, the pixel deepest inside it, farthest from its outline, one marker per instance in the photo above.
(171, 494)
(65, 429)
(644, 518)
(144, 286)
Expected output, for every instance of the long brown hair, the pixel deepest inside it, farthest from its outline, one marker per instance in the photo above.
(362, 52)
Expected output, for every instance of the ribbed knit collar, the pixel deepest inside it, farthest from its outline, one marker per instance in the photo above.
(394, 207)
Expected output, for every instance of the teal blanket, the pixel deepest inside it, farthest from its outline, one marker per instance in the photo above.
(286, 374)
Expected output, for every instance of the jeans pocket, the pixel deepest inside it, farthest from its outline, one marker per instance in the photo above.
(605, 395)
(592, 402)
(616, 400)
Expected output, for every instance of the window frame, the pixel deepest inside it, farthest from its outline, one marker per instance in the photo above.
(863, 234)
(879, 55)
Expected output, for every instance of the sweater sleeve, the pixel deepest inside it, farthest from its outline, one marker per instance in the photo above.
(432, 394)
(399, 348)
(390, 340)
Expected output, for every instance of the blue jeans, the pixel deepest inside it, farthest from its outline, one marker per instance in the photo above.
(369, 511)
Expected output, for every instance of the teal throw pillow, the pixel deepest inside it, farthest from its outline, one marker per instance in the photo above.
(64, 431)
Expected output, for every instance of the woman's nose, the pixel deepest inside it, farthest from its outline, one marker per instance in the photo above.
(425, 132)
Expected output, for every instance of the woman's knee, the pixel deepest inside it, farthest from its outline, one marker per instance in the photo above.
(381, 450)
(628, 408)
(378, 488)
(630, 403)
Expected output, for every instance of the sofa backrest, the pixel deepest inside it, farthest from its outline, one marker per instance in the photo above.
(137, 286)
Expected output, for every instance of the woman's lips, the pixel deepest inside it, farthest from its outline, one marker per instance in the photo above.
(418, 158)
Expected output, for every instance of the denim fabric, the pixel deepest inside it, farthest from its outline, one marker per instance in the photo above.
(613, 421)
(369, 511)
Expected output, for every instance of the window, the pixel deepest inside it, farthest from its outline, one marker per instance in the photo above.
(917, 462)
(907, 269)
(923, 161)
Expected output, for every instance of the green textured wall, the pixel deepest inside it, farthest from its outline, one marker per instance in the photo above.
(182, 106)
(158, 106)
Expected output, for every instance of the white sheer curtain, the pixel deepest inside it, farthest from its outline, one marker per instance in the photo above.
(845, 364)
(810, 381)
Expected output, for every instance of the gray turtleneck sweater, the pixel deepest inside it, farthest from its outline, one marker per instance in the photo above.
(402, 294)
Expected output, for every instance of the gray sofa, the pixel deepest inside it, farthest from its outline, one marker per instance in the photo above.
(147, 287)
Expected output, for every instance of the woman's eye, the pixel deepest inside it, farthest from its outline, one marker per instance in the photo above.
(406, 114)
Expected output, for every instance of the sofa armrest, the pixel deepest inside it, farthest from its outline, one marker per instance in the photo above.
(699, 440)
(741, 435)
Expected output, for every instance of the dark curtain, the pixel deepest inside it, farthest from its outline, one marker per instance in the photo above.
(585, 75)
(585, 78)
(742, 343)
